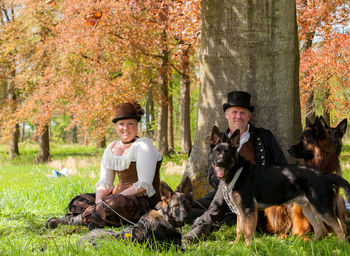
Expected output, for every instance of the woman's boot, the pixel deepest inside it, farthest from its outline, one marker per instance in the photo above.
(66, 220)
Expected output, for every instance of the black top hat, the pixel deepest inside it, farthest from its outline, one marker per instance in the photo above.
(128, 111)
(238, 98)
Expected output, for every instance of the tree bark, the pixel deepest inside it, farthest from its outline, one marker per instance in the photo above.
(23, 132)
(251, 46)
(74, 135)
(310, 107)
(102, 143)
(185, 102)
(14, 150)
(325, 111)
(171, 147)
(149, 114)
(163, 104)
(44, 146)
(12, 98)
(310, 111)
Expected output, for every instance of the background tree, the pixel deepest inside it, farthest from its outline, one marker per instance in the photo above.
(8, 68)
(250, 46)
(186, 142)
(171, 145)
(33, 81)
(185, 28)
(324, 57)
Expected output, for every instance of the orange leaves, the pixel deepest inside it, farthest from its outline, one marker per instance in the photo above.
(93, 18)
(326, 67)
(51, 2)
(320, 17)
(325, 48)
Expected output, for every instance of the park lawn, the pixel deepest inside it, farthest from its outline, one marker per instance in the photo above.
(28, 197)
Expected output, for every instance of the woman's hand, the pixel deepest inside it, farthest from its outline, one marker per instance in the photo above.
(101, 191)
(132, 191)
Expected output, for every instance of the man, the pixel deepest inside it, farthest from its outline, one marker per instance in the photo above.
(257, 145)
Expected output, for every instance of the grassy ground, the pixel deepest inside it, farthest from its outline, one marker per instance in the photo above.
(29, 196)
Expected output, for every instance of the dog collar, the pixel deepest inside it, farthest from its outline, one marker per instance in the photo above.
(227, 192)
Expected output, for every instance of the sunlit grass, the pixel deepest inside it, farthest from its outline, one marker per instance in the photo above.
(28, 197)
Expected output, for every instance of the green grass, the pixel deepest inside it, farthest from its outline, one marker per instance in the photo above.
(28, 198)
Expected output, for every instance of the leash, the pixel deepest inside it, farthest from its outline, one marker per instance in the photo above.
(120, 216)
(235, 178)
(198, 203)
(227, 192)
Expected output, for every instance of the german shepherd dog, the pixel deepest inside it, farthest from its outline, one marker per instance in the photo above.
(319, 147)
(159, 225)
(256, 187)
(336, 133)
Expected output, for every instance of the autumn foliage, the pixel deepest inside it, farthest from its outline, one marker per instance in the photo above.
(80, 58)
(87, 56)
(324, 57)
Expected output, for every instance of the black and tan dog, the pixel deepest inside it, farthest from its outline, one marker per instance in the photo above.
(159, 225)
(319, 147)
(336, 133)
(255, 187)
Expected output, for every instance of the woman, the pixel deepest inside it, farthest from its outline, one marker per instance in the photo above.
(136, 162)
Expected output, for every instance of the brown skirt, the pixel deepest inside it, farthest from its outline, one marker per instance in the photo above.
(114, 210)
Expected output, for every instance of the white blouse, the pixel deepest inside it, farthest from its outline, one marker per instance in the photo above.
(146, 156)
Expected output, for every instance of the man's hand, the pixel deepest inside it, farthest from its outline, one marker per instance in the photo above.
(196, 232)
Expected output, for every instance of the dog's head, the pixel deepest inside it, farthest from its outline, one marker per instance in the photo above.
(176, 206)
(336, 133)
(311, 140)
(224, 155)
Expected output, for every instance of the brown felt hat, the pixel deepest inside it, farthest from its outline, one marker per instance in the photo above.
(128, 111)
(238, 98)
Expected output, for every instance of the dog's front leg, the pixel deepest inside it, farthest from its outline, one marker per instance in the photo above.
(239, 228)
(249, 226)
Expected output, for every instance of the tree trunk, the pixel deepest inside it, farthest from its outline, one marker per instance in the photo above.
(74, 135)
(102, 143)
(310, 111)
(23, 132)
(12, 98)
(14, 151)
(310, 107)
(185, 102)
(163, 104)
(149, 114)
(44, 146)
(325, 111)
(171, 148)
(251, 46)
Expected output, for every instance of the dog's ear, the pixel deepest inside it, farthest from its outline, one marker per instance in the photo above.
(234, 139)
(323, 122)
(165, 190)
(186, 187)
(318, 129)
(317, 124)
(215, 136)
(341, 127)
(308, 122)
